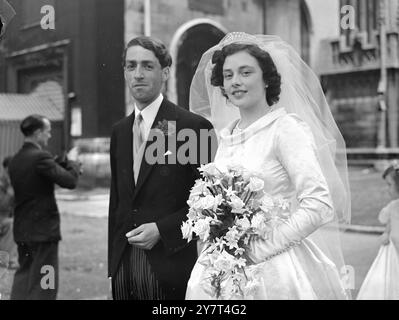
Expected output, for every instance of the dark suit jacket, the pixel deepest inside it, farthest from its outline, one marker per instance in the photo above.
(160, 196)
(33, 173)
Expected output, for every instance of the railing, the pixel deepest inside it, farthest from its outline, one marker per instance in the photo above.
(369, 156)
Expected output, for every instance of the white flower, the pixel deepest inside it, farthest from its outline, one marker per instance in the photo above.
(237, 277)
(282, 203)
(246, 175)
(233, 285)
(202, 228)
(251, 288)
(187, 230)
(243, 223)
(222, 168)
(208, 168)
(259, 223)
(192, 214)
(239, 251)
(192, 200)
(203, 203)
(230, 192)
(224, 262)
(232, 237)
(207, 202)
(246, 239)
(255, 184)
(199, 188)
(211, 202)
(236, 202)
(218, 201)
(266, 203)
(241, 262)
(218, 244)
(236, 167)
(213, 169)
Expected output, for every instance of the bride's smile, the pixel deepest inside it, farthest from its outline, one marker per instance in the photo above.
(238, 94)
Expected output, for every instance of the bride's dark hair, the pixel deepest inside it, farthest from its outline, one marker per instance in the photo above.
(270, 74)
(393, 170)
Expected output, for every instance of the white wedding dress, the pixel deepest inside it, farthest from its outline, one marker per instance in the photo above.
(382, 280)
(279, 147)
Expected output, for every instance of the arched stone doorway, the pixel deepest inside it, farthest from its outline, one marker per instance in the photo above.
(186, 51)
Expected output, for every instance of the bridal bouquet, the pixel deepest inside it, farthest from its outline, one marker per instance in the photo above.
(228, 209)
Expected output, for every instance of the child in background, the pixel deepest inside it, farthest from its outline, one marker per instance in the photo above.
(382, 280)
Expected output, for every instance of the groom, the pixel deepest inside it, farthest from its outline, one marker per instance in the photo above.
(147, 257)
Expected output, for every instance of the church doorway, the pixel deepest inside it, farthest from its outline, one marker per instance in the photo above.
(192, 43)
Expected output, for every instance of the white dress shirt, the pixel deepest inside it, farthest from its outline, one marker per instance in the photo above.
(149, 113)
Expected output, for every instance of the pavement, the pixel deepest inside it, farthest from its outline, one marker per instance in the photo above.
(90, 203)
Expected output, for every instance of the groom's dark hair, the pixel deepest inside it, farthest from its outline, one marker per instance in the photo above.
(156, 46)
(270, 73)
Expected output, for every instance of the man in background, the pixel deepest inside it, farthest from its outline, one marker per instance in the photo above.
(34, 173)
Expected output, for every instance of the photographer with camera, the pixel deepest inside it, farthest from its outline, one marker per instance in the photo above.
(34, 173)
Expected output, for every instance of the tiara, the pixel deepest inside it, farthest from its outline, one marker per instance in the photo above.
(237, 36)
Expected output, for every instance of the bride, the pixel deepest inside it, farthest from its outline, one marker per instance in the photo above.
(284, 131)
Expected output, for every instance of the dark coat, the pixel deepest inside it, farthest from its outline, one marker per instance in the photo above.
(33, 174)
(160, 196)
(6, 197)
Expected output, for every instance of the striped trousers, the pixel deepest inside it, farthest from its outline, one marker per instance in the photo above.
(134, 279)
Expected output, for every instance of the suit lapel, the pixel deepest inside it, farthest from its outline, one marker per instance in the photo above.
(165, 112)
(127, 149)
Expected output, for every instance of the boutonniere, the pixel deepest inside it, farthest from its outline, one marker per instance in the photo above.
(167, 128)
